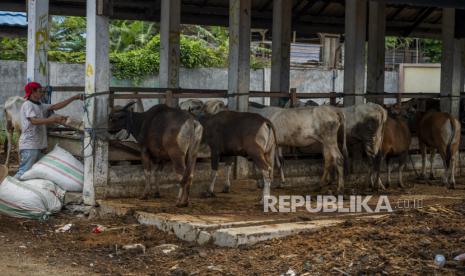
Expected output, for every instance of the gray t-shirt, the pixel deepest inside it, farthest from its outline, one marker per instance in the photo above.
(33, 136)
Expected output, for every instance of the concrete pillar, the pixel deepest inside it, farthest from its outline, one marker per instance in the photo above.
(170, 26)
(281, 47)
(330, 47)
(37, 41)
(451, 65)
(239, 65)
(97, 79)
(239, 53)
(376, 49)
(354, 63)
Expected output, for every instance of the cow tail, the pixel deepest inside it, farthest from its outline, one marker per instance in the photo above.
(5, 144)
(345, 153)
(192, 149)
(277, 156)
(449, 143)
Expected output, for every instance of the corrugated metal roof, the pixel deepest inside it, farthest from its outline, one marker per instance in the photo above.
(14, 19)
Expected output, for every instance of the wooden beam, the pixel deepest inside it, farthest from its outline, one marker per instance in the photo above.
(397, 12)
(420, 18)
(266, 5)
(323, 8)
(302, 11)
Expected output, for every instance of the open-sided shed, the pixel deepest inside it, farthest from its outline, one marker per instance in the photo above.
(360, 21)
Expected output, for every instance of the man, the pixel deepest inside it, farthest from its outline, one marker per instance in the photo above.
(34, 121)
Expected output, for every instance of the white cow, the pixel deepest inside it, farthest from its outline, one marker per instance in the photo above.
(301, 127)
(12, 115)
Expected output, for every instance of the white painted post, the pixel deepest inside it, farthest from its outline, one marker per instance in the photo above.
(330, 45)
(170, 25)
(37, 41)
(97, 79)
(354, 59)
(239, 53)
(281, 47)
(452, 64)
(239, 65)
(376, 49)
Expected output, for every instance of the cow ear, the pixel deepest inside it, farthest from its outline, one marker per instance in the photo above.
(128, 105)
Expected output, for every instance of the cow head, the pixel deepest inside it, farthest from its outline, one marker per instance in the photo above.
(119, 118)
(213, 106)
(193, 106)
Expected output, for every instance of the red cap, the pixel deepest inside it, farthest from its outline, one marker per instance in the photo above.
(30, 87)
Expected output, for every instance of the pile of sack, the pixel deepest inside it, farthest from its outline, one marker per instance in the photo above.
(41, 190)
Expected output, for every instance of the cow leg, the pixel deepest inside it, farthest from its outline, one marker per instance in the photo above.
(227, 184)
(185, 178)
(389, 170)
(402, 162)
(452, 171)
(445, 176)
(147, 163)
(336, 161)
(423, 161)
(431, 161)
(326, 168)
(265, 168)
(280, 163)
(9, 139)
(157, 183)
(215, 161)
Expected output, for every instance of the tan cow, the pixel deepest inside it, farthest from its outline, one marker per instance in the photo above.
(439, 131)
(302, 127)
(12, 115)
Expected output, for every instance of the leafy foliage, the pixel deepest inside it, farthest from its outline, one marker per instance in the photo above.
(13, 49)
(433, 49)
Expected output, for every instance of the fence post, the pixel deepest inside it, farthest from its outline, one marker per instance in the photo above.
(111, 103)
(169, 98)
(332, 98)
(399, 98)
(293, 97)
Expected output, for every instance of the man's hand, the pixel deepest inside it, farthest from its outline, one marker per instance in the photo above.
(78, 97)
(58, 119)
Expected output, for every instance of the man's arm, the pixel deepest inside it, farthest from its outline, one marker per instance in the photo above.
(48, 121)
(64, 103)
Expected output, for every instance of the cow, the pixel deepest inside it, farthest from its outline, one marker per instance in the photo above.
(194, 106)
(301, 127)
(12, 116)
(439, 131)
(364, 126)
(395, 144)
(164, 134)
(301, 103)
(231, 133)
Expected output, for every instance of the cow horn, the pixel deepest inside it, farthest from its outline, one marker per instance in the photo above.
(128, 105)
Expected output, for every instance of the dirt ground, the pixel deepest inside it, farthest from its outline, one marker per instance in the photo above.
(403, 243)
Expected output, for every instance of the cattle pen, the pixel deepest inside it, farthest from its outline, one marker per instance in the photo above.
(114, 175)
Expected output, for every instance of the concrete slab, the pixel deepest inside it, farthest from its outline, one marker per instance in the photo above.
(227, 231)
(234, 237)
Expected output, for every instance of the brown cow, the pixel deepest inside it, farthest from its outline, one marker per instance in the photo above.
(164, 134)
(439, 131)
(396, 144)
(230, 133)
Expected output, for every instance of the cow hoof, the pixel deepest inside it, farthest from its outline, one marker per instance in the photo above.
(451, 187)
(225, 190)
(208, 194)
(157, 195)
(182, 204)
(144, 197)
